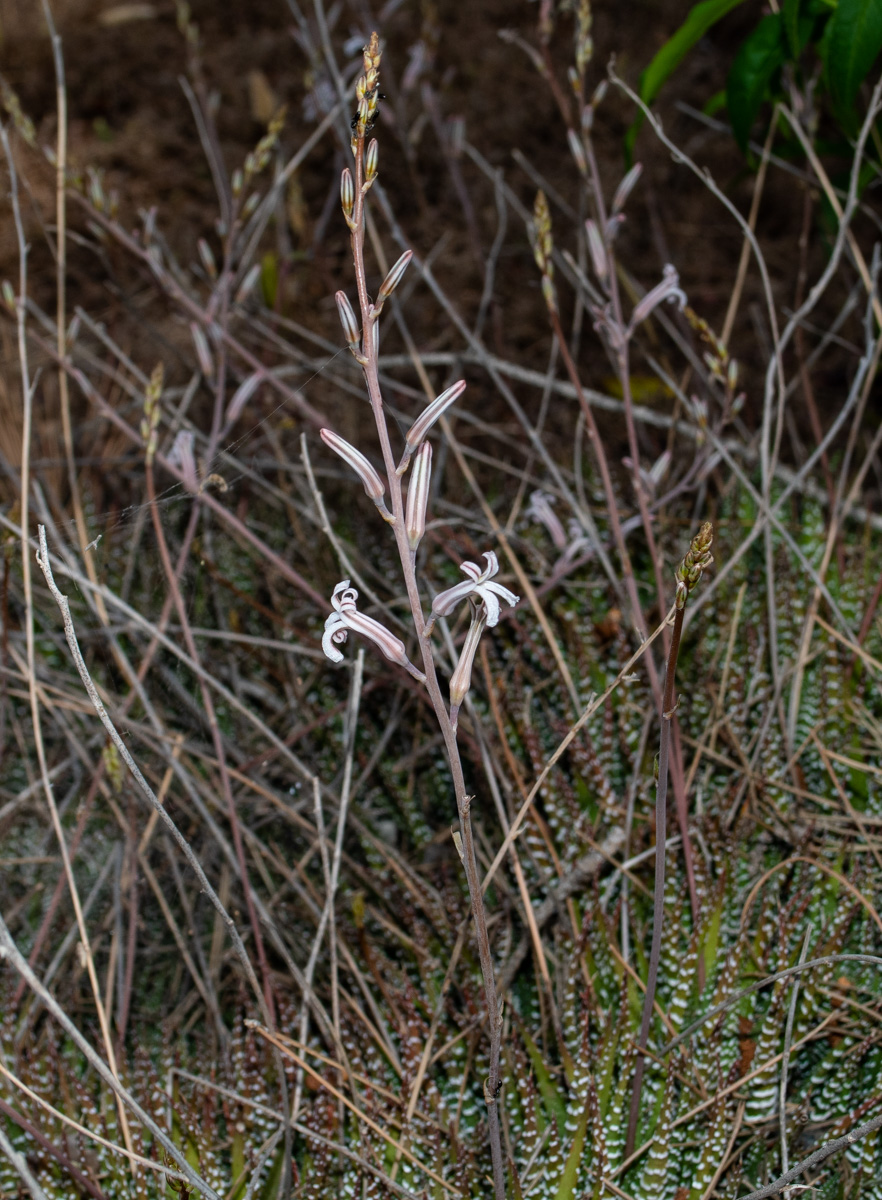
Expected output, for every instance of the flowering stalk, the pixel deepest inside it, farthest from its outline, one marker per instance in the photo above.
(407, 527)
(688, 574)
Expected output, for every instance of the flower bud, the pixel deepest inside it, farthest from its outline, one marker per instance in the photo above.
(598, 251)
(461, 679)
(623, 191)
(347, 194)
(418, 496)
(371, 162)
(392, 280)
(427, 419)
(347, 318)
(371, 481)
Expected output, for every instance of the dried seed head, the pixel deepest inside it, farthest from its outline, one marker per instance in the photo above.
(347, 319)
(418, 496)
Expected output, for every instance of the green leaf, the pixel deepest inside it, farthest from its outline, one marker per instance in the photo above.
(760, 56)
(701, 18)
(853, 43)
(790, 15)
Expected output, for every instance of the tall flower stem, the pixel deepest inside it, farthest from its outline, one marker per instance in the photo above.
(368, 358)
(688, 574)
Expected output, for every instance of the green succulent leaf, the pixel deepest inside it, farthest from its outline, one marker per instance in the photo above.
(853, 42)
(701, 18)
(760, 56)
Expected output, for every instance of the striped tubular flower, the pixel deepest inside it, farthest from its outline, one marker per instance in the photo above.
(478, 584)
(346, 616)
(461, 679)
(371, 481)
(418, 496)
(426, 420)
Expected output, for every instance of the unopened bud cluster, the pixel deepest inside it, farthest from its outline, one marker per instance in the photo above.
(543, 246)
(698, 559)
(152, 411)
(367, 91)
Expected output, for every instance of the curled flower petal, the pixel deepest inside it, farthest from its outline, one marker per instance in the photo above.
(346, 616)
(478, 584)
(668, 289)
(540, 510)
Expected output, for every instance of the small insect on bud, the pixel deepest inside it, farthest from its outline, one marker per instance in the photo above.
(347, 319)
(426, 420)
(371, 163)
(418, 496)
(347, 195)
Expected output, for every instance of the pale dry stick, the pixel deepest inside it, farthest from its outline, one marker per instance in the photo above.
(596, 703)
(816, 1158)
(285, 1047)
(785, 1061)
(828, 960)
(144, 786)
(775, 371)
(89, 1134)
(21, 1165)
(841, 792)
(832, 539)
(10, 951)
(724, 1159)
(850, 196)
(27, 425)
(214, 727)
(744, 259)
